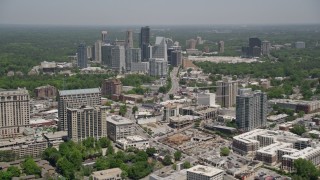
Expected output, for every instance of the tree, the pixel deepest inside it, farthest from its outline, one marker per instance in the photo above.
(171, 96)
(186, 165)
(123, 110)
(66, 168)
(52, 155)
(151, 151)
(306, 169)
(30, 167)
(104, 142)
(110, 150)
(298, 129)
(224, 151)
(177, 155)
(14, 171)
(134, 109)
(102, 163)
(301, 114)
(167, 160)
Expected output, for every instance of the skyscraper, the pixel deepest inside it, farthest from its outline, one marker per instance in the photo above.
(129, 39)
(75, 99)
(104, 35)
(118, 61)
(265, 47)
(176, 58)
(82, 56)
(97, 50)
(14, 112)
(191, 44)
(159, 49)
(144, 42)
(221, 46)
(251, 110)
(86, 121)
(106, 56)
(226, 92)
(158, 67)
(133, 55)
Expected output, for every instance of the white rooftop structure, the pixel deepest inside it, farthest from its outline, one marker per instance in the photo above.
(304, 153)
(118, 120)
(272, 148)
(205, 170)
(79, 91)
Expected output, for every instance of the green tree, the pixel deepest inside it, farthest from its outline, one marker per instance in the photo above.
(298, 129)
(177, 155)
(66, 168)
(104, 142)
(186, 165)
(171, 96)
(110, 150)
(167, 160)
(134, 109)
(301, 114)
(151, 151)
(306, 169)
(102, 163)
(123, 110)
(224, 151)
(52, 155)
(30, 167)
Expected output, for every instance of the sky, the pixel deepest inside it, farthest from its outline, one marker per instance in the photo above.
(159, 12)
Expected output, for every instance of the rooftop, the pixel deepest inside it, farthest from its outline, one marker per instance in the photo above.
(272, 148)
(303, 153)
(107, 173)
(205, 170)
(79, 91)
(118, 120)
(184, 118)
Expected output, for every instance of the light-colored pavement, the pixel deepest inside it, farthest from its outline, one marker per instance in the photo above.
(174, 82)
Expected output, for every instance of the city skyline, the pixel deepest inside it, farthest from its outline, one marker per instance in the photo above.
(143, 12)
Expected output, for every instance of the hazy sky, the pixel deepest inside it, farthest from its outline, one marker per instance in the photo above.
(159, 12)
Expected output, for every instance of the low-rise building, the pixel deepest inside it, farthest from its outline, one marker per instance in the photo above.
(201, 172)
(119, 127)
(182, 121)
(309, 153)
(137, 142)
(269, 155)
(296, 105)
(109, 174)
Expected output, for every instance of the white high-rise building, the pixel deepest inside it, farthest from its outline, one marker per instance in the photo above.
(158, 67)
(251, 110)
(86, 121)
(104, 35)
(75, 99)
(118, 62)
(97, 50)
(14, 112)
(265, 47)
(226, 92)
(129, 39)
(206, 99)
(133, 55)
(160, 49)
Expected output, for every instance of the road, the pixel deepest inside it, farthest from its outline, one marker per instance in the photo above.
(174, 81)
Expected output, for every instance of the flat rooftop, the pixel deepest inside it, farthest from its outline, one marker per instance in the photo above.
(118, 120)
(79, 91)
(106, 173)
(272, 148)
(184, 118)
(303, 153)
(132, 139)
(205, 170)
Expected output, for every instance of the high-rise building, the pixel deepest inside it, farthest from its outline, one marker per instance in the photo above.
(254, 48)
(176, 58)
(45, 92)
(89, 52)
(118, 60)
(75, 99)
(111, 86)
(226, 92)
(104, 36)
(86, 121)
(82, 56)
(129, 39)
(265, 47)
(158, 67)
(191, 44)
(144, 42)
(251, 110)
(119, 127)
(159, 49)
(221, 46)
(199, 40)
(300, 45)
(97, 50)
(171, 49)
(253, 42)
(106, 55)
(14, 112)
(132, 55)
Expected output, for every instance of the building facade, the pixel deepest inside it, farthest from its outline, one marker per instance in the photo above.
(158, 67)
(87, 122)
(159, 49)
(45, 92)
(144, 42)
(221, 47)
(129, 39)
(75, 99)
(119, 127)
(14, 112)
(265, 47)
(226, 92)
(82, 56)
(251, 110)
(133, 55)
(97, 50)
(176, 58)
(111, 86)
(118, 60)
(200, 172)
